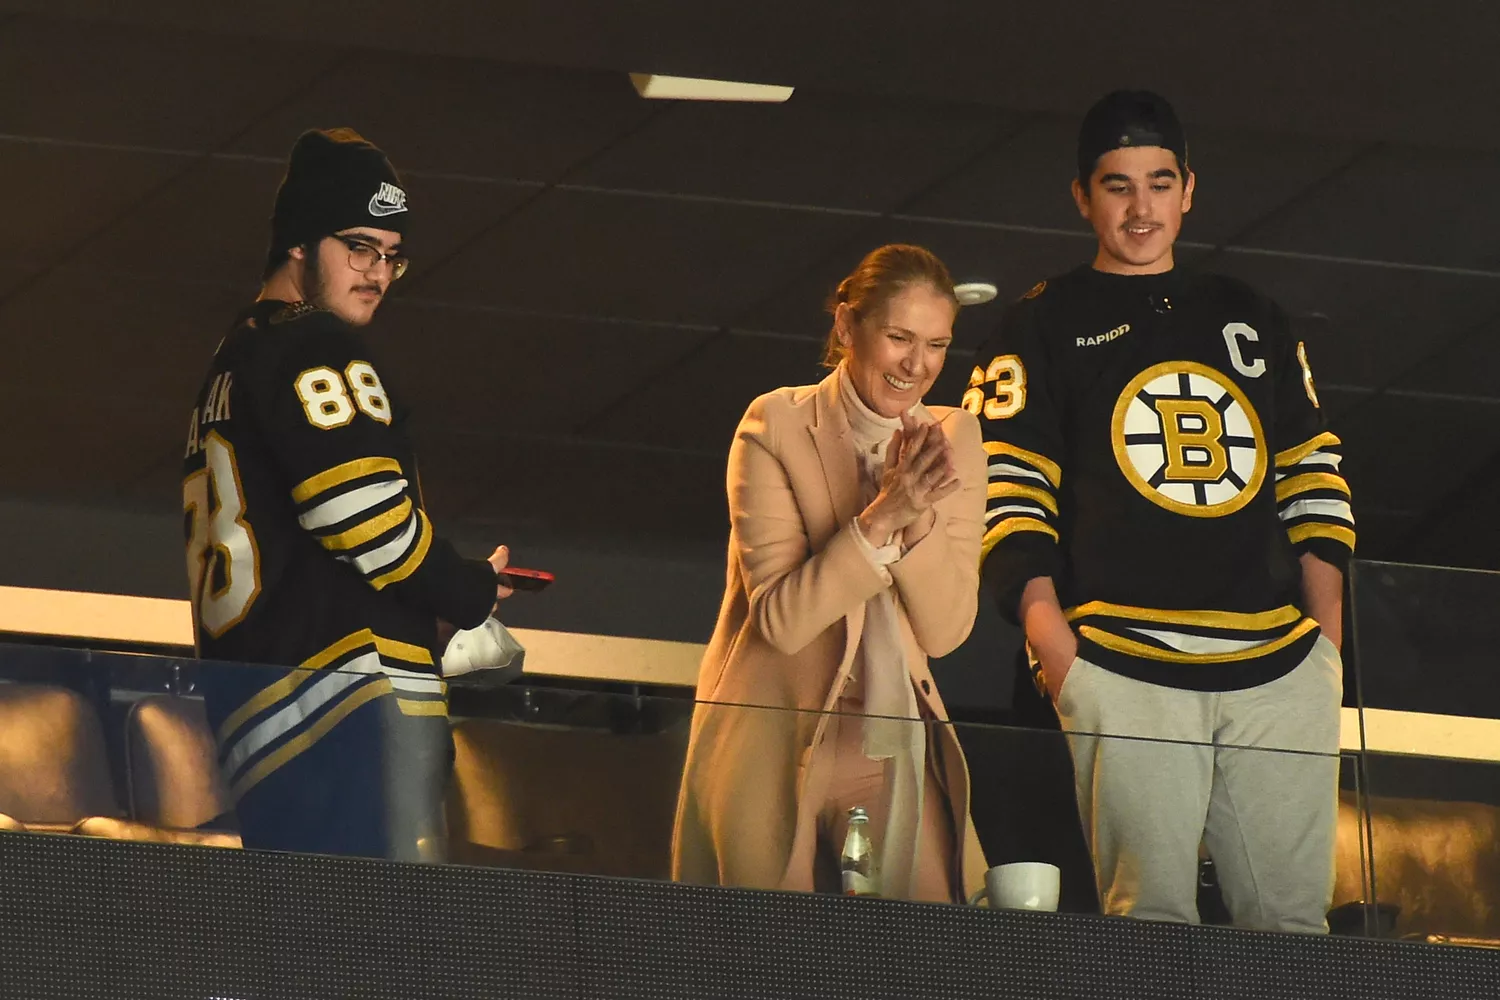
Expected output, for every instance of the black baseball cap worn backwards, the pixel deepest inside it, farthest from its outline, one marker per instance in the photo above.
(1129, 118)
(336, 179)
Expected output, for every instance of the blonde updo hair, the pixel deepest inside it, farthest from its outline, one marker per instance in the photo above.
(883, 273)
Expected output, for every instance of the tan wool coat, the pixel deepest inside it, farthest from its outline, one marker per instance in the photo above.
(788, 631)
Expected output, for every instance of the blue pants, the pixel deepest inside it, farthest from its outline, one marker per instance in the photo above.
(331, 763)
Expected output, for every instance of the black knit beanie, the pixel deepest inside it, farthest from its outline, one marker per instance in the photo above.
(1129, 118)
(335, 180)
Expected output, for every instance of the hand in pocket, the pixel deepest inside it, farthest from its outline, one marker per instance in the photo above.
(1056, 652)
(1055, 675)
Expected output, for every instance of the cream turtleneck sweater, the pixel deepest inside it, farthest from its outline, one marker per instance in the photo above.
(893, 731)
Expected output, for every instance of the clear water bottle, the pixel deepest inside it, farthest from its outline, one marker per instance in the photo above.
(857, 862)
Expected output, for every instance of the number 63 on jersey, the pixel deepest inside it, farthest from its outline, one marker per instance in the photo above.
(1008, 376)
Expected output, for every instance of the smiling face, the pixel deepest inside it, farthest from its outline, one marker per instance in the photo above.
(1135, 201)
(896, 355)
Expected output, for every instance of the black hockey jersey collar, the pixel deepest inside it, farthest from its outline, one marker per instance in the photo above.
(1158, 290)
(1110, 282)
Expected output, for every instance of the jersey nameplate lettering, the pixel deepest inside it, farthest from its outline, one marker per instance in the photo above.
(215, 410)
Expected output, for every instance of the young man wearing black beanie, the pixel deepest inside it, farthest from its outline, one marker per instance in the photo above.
(1168, 524)
(307, 541)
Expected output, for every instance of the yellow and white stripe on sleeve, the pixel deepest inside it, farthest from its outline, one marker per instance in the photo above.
(1312, 498)
(362, 512)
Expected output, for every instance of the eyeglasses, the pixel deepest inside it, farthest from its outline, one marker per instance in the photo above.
(363, 257)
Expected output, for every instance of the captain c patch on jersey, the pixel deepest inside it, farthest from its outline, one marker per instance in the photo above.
(1189, 440)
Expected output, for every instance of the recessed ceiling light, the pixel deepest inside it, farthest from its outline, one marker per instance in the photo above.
(686, 88)
(974, 293)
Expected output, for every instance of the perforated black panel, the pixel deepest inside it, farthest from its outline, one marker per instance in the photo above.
(83, 919)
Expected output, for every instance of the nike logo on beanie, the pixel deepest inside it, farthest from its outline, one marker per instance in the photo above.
(388, 200)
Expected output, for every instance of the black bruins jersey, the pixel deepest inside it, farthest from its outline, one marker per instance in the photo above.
(307, 542)
(1155, 445)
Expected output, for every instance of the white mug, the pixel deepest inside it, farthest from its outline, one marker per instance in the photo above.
(1024, 885)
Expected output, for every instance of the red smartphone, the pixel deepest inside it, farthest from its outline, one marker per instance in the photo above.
(517, 578)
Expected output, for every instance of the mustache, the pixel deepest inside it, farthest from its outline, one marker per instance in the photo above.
(368, 288)
(1129, 223)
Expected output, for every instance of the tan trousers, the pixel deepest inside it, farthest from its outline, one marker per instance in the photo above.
(856, 780)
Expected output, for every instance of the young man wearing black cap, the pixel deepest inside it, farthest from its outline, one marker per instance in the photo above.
(307, 542)
(1167, 522)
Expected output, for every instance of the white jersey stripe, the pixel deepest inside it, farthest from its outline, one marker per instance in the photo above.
(322, 691)
(1038, 512)
(1326, 507)
(387, 555)
(319, 693)
(998, 469)
(1186, 643)
(341, 508)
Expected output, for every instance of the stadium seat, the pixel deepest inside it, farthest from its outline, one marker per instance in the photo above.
(1438, 862)
(171, 769)
(111, 828)
(564, 799)
(53, 765)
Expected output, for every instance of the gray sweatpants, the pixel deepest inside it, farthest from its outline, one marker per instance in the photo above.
(1268, 819)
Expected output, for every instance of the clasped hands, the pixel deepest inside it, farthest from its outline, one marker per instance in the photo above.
(919, 471)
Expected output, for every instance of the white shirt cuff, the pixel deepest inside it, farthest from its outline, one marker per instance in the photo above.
(880, 556)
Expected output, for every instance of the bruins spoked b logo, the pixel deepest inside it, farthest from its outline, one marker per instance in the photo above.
(1188, 439)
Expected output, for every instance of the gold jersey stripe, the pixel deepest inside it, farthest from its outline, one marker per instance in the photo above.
(1041, 496)
(403, 651)
(260, 701)
(1317, 529)
(348, 644)
(409, 706)
(340, 474)
(1292, 456)
(1048, 468)
(373, 528)
(1010, 526)
(1239, 621)
(291, 748)
(365, 637)
(1132, 648)
(412, 562)
(1310, 481)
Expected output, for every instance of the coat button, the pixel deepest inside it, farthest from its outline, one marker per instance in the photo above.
(926, 686)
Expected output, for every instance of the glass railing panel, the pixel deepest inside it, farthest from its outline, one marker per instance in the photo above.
(1435, 844)
(582, 780)
(1425, 639)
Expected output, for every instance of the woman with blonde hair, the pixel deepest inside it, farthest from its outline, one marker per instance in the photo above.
(856, 517)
